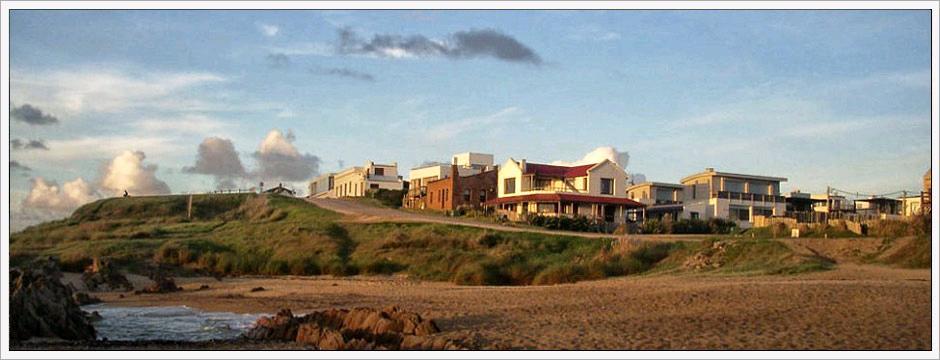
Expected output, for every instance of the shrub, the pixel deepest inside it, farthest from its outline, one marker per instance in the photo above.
(382, 266)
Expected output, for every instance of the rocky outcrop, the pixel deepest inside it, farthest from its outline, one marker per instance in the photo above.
(161, 284)
(709, 258)
(356, 329)
(41, 306)
(102, 275)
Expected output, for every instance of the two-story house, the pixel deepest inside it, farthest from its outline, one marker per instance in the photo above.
(596, 191)
(661, 199)
(356, 181)
(738, 197)
(468, 163)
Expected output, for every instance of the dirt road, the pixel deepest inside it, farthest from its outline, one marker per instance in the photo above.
(363, 213)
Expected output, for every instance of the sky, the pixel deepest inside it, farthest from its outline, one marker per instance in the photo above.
(159, 102)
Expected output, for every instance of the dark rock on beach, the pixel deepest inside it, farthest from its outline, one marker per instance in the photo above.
(41, 306)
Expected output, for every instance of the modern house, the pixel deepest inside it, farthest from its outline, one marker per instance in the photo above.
(468, 163)
(596, 191)
(738, 197)
(878, 206)
(913, 205)
(456, 191)
(356, 181)
(661, 199)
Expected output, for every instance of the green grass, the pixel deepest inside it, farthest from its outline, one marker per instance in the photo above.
(275, 235)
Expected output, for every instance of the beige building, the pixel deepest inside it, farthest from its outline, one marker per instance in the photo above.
(597, 191)
(355, 181)
(661, 200)
(468, 163)
(913, 205)
(738, 197)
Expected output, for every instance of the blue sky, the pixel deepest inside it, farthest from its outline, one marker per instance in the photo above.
(837, 98)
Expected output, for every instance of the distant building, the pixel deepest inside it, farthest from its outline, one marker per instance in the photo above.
(661, 199)
(738, 197)
(926, 194)
(878, 205)
(913, 205)
(468, 163)
(356, 181)
(596, 191)
(456, 191)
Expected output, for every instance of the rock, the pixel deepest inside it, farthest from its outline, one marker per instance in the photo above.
(102, 275)
(93, 316)
(257, 289)
(282, 327)
(203, 287)
(356, 329)
(161, 283)
(82, 298)
(41, 306)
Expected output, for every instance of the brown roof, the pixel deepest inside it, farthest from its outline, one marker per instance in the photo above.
(567, 198)
(557, 170)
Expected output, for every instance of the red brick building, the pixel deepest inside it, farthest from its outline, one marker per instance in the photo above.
(457, 191)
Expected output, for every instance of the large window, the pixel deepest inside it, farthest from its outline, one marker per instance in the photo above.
(607, 186)
(739, 213)
(380, 171)
(466, 195)
(509, 185)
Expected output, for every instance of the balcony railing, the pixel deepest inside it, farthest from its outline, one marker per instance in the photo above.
(730, 195)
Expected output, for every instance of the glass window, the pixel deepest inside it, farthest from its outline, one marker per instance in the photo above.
(607, 186)
(466, 195)
(380, 171)
(739, 213)
(509, 185)
(482, 196)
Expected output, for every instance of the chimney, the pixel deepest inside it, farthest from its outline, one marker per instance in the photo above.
(708, 169)
(453, 171)
(522, 165)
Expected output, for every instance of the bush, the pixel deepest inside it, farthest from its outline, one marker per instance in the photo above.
(576, 223)
(390, 198)
(382, 266)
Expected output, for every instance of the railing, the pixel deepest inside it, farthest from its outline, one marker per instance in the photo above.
(730, 195)
(381, 177)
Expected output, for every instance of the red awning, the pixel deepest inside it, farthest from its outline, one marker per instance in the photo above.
(567, 198)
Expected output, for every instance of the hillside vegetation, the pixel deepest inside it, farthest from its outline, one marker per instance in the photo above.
(248, 234)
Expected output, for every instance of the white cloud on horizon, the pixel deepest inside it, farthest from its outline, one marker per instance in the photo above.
(452, 129)
(268, 30)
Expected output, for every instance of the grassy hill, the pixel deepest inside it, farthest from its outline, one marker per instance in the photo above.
(243, 234)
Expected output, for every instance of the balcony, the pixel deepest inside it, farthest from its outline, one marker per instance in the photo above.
(730, 195)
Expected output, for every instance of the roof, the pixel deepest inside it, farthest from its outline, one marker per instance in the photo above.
(568, 198)
(557, 170)
(711, 172)
(653, 183)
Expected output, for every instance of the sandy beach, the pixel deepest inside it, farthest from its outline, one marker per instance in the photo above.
(854, 307)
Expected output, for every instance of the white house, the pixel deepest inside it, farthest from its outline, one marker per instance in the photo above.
(355, 181)
(738, 197)
(597, 191)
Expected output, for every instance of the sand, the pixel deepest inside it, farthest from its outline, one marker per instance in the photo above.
(854, 307)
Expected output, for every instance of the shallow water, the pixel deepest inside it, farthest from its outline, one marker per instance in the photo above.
(168, 323)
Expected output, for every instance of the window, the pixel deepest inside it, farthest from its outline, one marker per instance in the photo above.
(607, 186)
(509, 185)
(466, 195)
(739, 213)
(693, 215)
(380, 171)
(373, 186)
(482, 196)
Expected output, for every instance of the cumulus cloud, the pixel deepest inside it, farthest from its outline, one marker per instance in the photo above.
(278, 159)
(48, 196)
(345, 73)
(217, 157)
(636, 178)
(16, 166)
(18, 144)
(460, 45)
(600, 154)
(32, 115)
(128, 172)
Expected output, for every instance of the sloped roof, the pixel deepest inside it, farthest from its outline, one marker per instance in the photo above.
(557, 170)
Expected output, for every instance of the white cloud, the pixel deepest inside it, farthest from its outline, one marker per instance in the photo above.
(75, 91)
(48, 196)
(593, 33)
(597, 155)
(127, 172)
(278, 159)
(268, 30)
(305, 48)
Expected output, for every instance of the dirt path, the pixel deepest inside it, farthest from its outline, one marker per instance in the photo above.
(851, 308)
(363, 213)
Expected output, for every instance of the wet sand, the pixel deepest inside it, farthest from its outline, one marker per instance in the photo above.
(854, 307)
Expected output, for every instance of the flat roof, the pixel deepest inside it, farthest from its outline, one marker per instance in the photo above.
(653, 183)
(733, 175)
